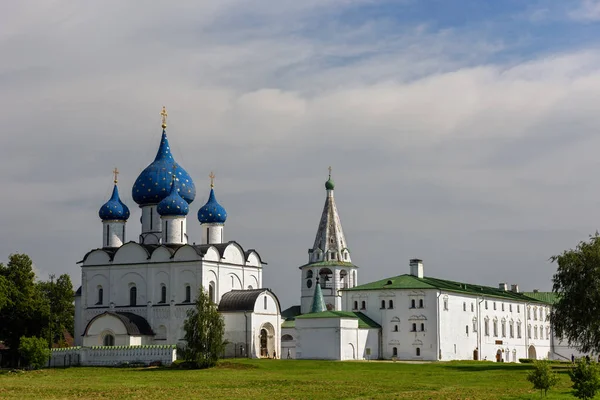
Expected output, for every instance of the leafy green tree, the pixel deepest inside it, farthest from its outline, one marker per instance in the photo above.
(576, 313)
(586, 379)
(26, 311)
(3, 292)
(59, 294)
(204, 329)
(34, 351)
(542, 377)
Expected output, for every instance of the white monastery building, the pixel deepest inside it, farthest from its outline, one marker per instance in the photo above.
(138, 292)
(407, 317)
(134, 295)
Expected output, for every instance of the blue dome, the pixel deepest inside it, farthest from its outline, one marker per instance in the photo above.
(154, 183)
(173, 204)
(212, 212)
(114, 209)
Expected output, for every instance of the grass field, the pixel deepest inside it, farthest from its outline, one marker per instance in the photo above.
(284, 379)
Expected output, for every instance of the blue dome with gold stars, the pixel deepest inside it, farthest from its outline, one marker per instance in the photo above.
(114, 209)
(212, 212)
(173, 204)
(154, 183)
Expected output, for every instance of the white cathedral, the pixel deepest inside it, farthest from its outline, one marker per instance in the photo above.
(136, 294)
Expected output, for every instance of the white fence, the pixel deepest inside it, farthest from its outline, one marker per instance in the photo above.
(108, 356)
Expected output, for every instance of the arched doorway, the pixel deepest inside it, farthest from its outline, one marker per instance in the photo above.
(350, 352)
(499, 355)
(267, 341)
(531, 352)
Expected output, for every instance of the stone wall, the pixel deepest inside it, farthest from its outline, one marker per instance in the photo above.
(112, 355)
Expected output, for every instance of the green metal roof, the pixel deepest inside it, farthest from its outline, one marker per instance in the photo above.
(364, 322)
(407, 281)
(318, 303)
(546, 297)
(330, 264)
(289, 323)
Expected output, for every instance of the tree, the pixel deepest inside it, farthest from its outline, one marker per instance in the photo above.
(204, 329)
(542, 377)
(586, 379)
(3, 292)
(576, 313)
(59, 294)
(34, 351)
(26, 311)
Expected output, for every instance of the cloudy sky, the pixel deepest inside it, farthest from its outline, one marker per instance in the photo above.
(462, 132)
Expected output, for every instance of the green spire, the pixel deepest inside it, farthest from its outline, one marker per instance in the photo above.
(329, 185)
(318, 304)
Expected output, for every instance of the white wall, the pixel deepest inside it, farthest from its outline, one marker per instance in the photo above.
(174, 230)
(109, 356)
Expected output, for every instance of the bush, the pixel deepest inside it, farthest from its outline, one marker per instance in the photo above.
(542, 377)
(526, 360)
(34, 351)
(586, 379)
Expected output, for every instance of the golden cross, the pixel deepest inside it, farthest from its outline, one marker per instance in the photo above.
(164, 114)
(116, 172)
(212, 179)
(329, 171)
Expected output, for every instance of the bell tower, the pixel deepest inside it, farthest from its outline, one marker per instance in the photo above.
(329, 263)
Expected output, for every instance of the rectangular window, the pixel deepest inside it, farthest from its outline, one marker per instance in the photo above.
(510, 307)
(494, 306)
(486, 328)
(502, 306)
(472, 307)
(446, 304)
(467, 329)
(464, 306)
(486, 307)
(518, 308)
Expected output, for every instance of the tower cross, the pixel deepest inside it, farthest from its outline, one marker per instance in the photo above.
(116, 173)
(164, 115)
(329, 171)
(212, 179)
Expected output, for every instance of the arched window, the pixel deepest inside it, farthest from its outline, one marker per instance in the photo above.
(382, 304)
(412, 303)
(211, 292)
(363, 305)
(287, 338)
(355, 305)
(100, 295)
(163, 294)
(414, 327)
(464, 306)
(421, 303)
(472, 307)
(394, 352)
(418, 352)
(109, 340)
(422, 327)
(391, 304)
(344, 279)
(132, 296)
(309, 274)
(395, 328)
(188, 294)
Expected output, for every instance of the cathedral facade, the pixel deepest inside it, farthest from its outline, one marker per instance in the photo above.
(138, 292)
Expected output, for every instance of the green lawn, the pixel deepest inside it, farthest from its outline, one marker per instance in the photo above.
(284, 379)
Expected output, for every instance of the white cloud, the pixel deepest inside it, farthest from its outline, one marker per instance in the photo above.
(587, 10)
(431, 142)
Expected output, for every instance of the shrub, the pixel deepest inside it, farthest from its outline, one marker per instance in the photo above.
(586, 379)
(34, 351)
(542, 377)
(526, 360)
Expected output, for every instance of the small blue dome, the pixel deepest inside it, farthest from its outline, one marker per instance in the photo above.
(114, 209)
(212, 212)
(173, 204)
(154, 183)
